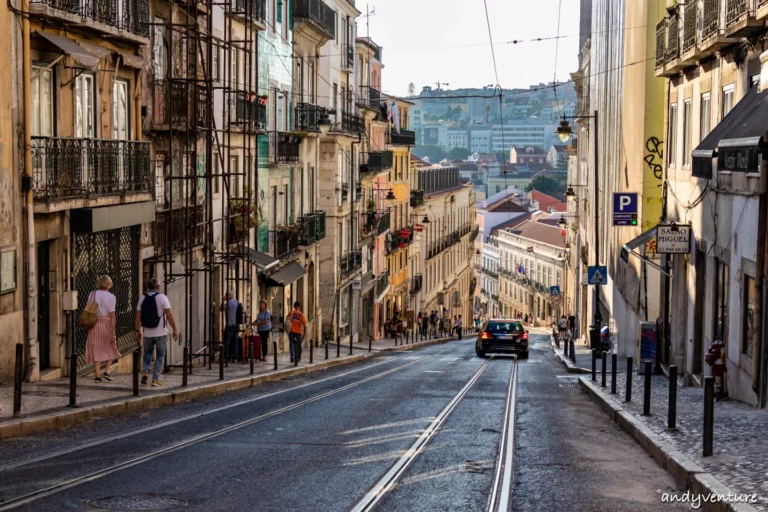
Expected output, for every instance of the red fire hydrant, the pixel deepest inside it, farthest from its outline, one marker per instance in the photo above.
(716, 359)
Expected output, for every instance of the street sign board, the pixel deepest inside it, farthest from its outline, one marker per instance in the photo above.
(673, 239)
(597, 275)
(624, 209)
(554, 291)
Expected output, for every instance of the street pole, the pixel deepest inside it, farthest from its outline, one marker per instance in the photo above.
(598, 317)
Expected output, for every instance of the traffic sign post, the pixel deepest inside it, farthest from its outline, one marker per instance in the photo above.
(597, 275)
(625, 209)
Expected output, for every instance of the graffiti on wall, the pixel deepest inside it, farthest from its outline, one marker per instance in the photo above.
(654, 158)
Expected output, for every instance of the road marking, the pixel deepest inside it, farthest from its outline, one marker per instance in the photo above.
(385, 483)
(433, 371)
(502, 485)
(449, 359)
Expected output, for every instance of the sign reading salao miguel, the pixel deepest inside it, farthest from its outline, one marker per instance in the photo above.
(673, 239)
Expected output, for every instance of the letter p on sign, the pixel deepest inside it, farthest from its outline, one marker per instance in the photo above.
(624, 201)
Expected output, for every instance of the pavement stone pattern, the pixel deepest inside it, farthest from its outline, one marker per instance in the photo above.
(47, 397)
(740, 454)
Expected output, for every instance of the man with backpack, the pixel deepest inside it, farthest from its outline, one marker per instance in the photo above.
(233, 311)
(153, 314)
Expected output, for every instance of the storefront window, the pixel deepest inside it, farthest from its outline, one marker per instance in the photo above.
(721, 303)
(750, 303)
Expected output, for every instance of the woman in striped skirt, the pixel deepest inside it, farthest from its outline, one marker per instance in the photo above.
(101, 344)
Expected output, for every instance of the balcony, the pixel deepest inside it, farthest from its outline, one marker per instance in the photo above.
(308, 117)
(672, 53)
(351, 262)
(316, 17)
(370, 97)
(382, 282)
(402, 138)
(376, 162)
(384, 222)
(284, 242)
(175, 227)
(174, 104)
(740, 20)
(311, 228)
(417, 198)
(83, 168)
(416, 284)
(690, 45)
(131, 16)
(348, 57)
(474, 233)
(253, 10)
(349, 124)
(712, 34)
(400, 240)
(283, 148)
(247, 113)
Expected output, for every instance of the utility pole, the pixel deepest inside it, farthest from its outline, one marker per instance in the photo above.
(439, 83)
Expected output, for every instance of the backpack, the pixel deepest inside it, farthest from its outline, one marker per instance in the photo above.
(149, 316)
(239, 313)
(90, 312)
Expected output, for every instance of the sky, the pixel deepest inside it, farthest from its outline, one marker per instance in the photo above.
(412, 33)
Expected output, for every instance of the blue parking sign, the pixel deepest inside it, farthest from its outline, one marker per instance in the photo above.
(625, 209)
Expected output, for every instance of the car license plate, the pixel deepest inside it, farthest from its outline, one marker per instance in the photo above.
(505, 337)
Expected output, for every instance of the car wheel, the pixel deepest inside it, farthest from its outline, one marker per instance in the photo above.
(480, 353)
(523, 355)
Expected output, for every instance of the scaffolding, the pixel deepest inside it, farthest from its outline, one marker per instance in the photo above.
(205, 121)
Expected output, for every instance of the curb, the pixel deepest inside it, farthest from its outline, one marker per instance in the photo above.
(414, 345)
(687, 474)
(567, 362)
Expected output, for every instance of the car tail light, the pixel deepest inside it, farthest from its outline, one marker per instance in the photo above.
(523, 336)
(486, 336)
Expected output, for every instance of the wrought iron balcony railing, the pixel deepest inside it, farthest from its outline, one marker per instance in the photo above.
(416, 284)
(661, 43)
(400, 239)
(307, 229)
(369, 97)
(128, 15)
(253, 9)
(309, 117)
(351, 262)
(673, 38)
(284, 243)
(247, 113)
(710, 26)
(348, 56)
(382, 282)
(474, 233)
(690, 26)
(417, 198)
(283, 148)
(384, 222)
(402, 138)
(349, 123)
(174, 228)
(736, 10)
(318, 13)
(176, 102)
(72, 168)
(376, 162)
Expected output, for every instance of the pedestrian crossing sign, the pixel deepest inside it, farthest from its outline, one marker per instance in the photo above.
(554, 291)
(597, 275)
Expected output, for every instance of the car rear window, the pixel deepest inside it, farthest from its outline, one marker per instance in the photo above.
(504, 327)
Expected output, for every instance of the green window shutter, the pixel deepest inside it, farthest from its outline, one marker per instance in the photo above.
(290, 14)
(279, 11)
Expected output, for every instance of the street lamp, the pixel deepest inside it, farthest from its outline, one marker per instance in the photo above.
(564, 132)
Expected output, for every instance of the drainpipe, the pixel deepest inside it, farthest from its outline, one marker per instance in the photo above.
(759, 342)
(31, 277)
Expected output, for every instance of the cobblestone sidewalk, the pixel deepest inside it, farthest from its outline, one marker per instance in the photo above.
(740, 458)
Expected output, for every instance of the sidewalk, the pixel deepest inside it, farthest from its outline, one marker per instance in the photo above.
(44, 404)
(584, 360)
(740, 459)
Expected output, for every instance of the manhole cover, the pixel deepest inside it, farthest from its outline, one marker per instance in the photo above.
(138, 503)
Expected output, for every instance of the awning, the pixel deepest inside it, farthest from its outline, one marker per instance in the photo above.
(737, 140)
(130, 60)
(637, 242)
(261, 260)
(286, 275)
(383, 293)
(94, 220)
(78, 57)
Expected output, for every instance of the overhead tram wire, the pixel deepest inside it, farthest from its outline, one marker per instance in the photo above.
(557, 47)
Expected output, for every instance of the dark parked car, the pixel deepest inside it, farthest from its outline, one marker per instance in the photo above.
(502, 335)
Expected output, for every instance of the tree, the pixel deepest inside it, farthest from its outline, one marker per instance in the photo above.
(459, 154)
(434, 153)
(546, 184)
(411, 90)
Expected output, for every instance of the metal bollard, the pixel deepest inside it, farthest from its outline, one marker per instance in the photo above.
(594, 365)
(629, 379)
(296, 350)
(18, 376)
(672, 408)
(221, 362)
(565, 350)
(604, 358)
(274, 352)
(647, 390)
(226, 352)
(614, 359)
(251, 348)
(370, 342)
(338, 346)
(191, 358)
(73, 377)
(136, 360)
(709, 414)
(311, 350)
(350, 344)
(326, 348)
(573, 353)
(184, 368)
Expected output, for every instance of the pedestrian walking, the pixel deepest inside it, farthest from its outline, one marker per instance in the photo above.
(101, 343)
(458, 325)
(297, 331)
(424, 325)
(525, 318)
(153, 315)
(264, 327)
(233, 312)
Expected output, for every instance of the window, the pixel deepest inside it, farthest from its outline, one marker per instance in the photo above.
(42, 102)
(85, 122)
(311, 78)
(216, 65)
(159, 49)
(721, 302)
(748, 331)
(286, 212)
(216, 185)
(687, 133)
(235, 68)
(672, 148)
(727, 99)
(344, 299)
(234, 182)
(705, 113)
(120, 110)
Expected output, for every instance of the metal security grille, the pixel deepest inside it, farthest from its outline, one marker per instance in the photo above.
(114, 253)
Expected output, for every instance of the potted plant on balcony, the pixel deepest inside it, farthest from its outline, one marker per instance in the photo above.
(371, 204)
(244, 211)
